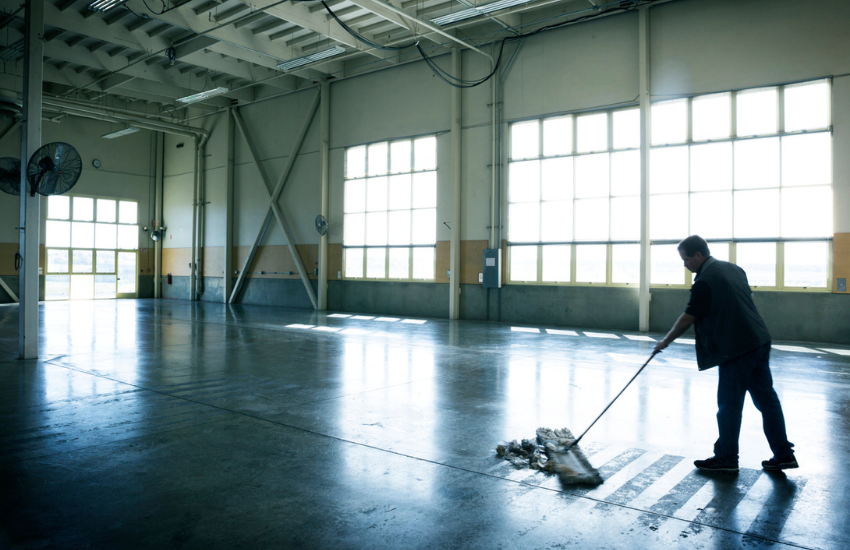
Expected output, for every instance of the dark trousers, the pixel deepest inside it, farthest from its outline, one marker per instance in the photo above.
(749, 372)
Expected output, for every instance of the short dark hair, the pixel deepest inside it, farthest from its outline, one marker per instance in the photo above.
(693, 244)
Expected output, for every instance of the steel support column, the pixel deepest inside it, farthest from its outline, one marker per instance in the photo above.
(228, 210)
(30, 205)
(454, 251)
(325, 160)
(157, 253)
(645, 127)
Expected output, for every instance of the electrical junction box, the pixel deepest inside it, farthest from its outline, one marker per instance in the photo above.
(492, 268)
(842, 285)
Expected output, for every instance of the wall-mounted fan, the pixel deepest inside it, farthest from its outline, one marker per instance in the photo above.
(54, 169)
(10, 175)
(321, 225)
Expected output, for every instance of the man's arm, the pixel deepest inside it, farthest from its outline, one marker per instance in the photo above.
(682, 324)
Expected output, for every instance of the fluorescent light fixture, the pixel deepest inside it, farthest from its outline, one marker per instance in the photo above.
(469, 13)
(203, 95)
(119, 133)
(13, 52)
(104, 6)
(318, 56)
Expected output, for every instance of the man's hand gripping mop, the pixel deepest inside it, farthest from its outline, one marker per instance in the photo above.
(569, 461)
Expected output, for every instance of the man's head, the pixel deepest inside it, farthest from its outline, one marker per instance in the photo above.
(694, 252)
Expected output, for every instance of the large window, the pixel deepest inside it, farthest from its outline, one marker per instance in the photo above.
(574, 199)
(91, 248)
(751, 172)
(390, 204)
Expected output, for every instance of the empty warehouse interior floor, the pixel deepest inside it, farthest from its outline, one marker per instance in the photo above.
(160, 424)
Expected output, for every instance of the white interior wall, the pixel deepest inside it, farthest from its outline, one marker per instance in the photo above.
(696, 46)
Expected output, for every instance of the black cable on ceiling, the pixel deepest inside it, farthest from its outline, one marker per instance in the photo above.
(625, 5)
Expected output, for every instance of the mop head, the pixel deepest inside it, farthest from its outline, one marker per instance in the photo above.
(549, 453)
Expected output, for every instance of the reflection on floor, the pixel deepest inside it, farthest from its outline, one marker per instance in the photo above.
(154, 424)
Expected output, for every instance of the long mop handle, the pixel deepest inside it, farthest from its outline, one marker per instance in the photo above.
(574, 443)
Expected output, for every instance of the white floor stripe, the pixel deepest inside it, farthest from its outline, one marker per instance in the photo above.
(613, 483)
(414, 321)
(640, 338)
(387, 319)
(799, 349)
(562, 332)
(340, 315)
(601, 335)
(363, 317)
(663, 485)
(837, 351)
(689, 341)
(299, 326)
(328, 329)
(524, 329)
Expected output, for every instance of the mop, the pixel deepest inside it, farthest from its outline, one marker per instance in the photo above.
(567, 459)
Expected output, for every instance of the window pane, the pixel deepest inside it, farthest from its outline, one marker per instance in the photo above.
(354, 229)
(626, 128)
(625, 173)
(712, 116)
(807, 159)
(399, 263)
(425, 226)
(128, 212)
(399, 192)
(524, 222)
(58, 207)
(425, 153)
(355, 196)
(82, 235)
(711, 167)
(83, 209)
(625, 219)
(82, 261)
(57, 287)
(399, 229)
(82, 287)
(376, 263)
(423, 263)
(525, 140)
(558, 136)
(400, 156)
(557, 223)
(57, 261)
(557, 179)
(759, 261)
(757, 112)
(104, 261)
(128, 237)
(523, 263)
(58, 234)
(807, 106)
(106, 210)
(556, 263)
(625, 263)
(126, 273)
(757, 163)
(591, 220)
(104, 286)
(666, 266)
(592, 175)
(756, 214)
(592, 133)
(377, 157)
(805, 264)
(591, 263)
(668, 170)
(376, 228)
(355, 162)
(425, 190)
(668, 217)
(354, 262)
(669, 121)
(719, 251)
(105, 235)
(376, 194)
(524, 181)
(711, 215)
(807, 212)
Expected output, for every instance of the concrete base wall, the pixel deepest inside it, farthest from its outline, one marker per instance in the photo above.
(390, 298)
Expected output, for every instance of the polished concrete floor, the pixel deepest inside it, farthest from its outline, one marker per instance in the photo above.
(166, 424)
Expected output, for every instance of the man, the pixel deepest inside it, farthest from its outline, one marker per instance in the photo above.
(731, 333)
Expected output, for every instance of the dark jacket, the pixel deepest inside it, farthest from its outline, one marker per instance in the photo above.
(733, 325)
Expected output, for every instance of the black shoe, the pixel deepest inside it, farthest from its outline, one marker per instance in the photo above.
(715, 464)
(780, 464)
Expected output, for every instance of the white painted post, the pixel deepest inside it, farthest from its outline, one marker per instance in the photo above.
(454, 253)
(30, 205)
(323, 243)
(645, 135)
